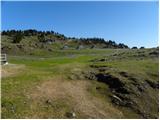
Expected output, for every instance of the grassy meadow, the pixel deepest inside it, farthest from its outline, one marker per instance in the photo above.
(72, 84)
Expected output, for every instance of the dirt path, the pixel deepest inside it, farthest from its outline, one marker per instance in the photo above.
(11, 70)
(76, 95)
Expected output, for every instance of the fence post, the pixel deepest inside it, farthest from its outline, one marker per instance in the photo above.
(3, 59)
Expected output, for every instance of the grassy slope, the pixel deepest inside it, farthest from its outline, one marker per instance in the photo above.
(30, 92)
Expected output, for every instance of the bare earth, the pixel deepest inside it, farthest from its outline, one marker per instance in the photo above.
(76, 96)
(11, 70)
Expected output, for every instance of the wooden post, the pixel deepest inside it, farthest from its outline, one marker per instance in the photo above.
(3, 59)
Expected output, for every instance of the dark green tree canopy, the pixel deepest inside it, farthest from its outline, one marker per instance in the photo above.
(17, 36)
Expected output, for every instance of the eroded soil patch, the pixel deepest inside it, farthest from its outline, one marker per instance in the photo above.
(127, 90)
(11, 70)
(76, 98)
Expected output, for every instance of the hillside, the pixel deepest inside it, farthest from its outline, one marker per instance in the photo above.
(54, 76)
(28, 41)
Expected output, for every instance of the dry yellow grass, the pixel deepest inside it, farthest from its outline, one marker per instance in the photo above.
(11, 70)
(76, 96)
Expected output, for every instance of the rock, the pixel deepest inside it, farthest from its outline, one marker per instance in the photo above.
(116, 97)
(64, 47)
(80, 47)
(70, 114)
(112, 81)
(124, 74)
(122, 100)
(153, 84)
(89, 75)
(48, 101)
(116, 100)
(97, 88)
(140, 88)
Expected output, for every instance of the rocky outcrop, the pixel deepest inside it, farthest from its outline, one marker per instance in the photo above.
(126, 89)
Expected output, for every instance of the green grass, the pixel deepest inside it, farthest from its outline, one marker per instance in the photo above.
(143, 68)
(43, 66)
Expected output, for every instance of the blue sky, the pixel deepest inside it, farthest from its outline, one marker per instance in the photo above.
(132, 23)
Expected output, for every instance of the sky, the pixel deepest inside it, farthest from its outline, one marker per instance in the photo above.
(132, 23)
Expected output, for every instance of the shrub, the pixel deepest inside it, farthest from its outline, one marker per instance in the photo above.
(17, 38)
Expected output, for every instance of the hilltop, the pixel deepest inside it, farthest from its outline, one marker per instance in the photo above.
(18, 41)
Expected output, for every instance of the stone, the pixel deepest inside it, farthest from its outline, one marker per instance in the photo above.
(48, 101)
(97, 88)
(70, 114)
(117, 98)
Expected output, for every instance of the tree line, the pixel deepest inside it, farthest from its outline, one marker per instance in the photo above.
(30, 32)
(18, 35)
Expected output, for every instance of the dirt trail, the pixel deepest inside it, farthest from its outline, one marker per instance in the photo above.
(76, 95)
(11, 70)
